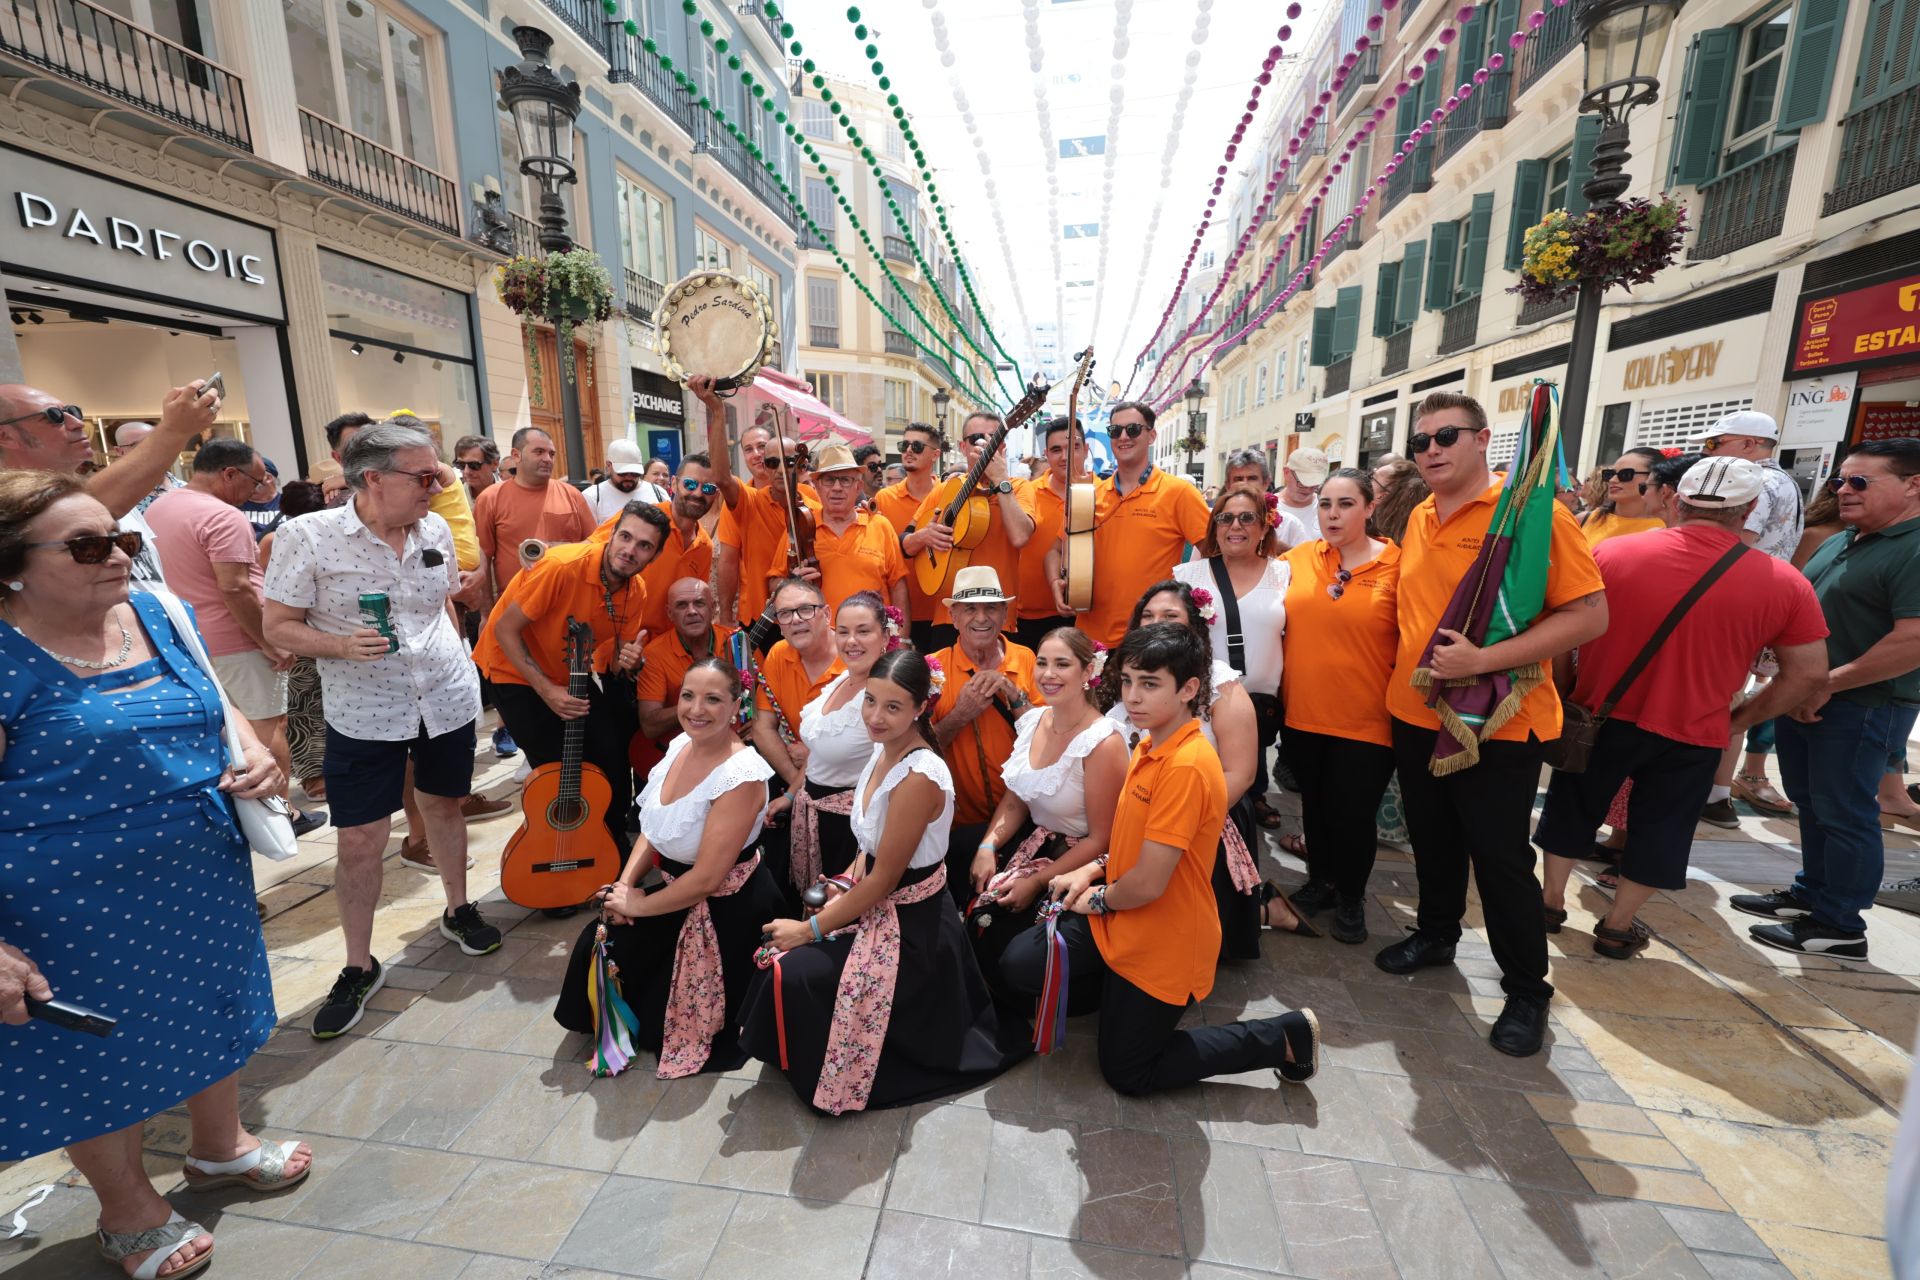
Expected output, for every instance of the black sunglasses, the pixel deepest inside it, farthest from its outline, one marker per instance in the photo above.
(793, 460)
(481, 465)
(698, 486)
(1856, 483)
(1339, 588)
(1233, 519)
(1624, 475)
(57, 414)
(424, 479)
(1131, 430)
(874, 468)
(1445, 437)
(977, 439)
(94, 548)
(914, 446)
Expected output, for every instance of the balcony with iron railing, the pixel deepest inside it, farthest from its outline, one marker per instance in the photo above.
(629, 63)
(643, 295)
(1349, 241)
(899, 344)
(1538, 312)
(525, 233)
(1879, 152)
(1365, 72)
(712, 139)
(1316, 144)
(1745, 205)
(823, 335)
(758, 13)
(1548, 46)
(1339, 375)
(91, 46)
(1460, 325)
(585, 18)
(1414, 175)
(1399, 352)
(1486, 109)
(808, 240)
(897, 249)
(362, 167)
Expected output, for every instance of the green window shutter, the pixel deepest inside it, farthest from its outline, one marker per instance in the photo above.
(1586, 136)
(1346, 322)
(1887, 52)
(1406, 117)
(1386, 286)
(1696, 146)
(1479, 227)
(1473, 39)
(1446, 244)
(1810, 63)
(1406, 307)
(1322, 350)
(1529, 194)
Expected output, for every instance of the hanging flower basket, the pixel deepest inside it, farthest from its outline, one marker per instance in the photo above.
(571, 291)
(1625, 244)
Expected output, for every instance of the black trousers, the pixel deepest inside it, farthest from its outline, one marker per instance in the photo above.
(1031, 631)
(612, 720)
(1479, 818)
(1268, 715)
(1142, 1047)
(1341, 782)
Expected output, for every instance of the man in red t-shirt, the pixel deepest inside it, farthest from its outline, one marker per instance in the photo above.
(1669, 727)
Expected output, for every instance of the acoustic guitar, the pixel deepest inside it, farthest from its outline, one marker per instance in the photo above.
(1080, 509)
(563, 851)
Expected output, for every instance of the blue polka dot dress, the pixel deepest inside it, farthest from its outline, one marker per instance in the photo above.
(124, 877)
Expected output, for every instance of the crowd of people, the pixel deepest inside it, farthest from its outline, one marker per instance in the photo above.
(884, 837)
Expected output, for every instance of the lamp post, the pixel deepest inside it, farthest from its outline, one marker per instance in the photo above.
(544, 107)
(941, 401)
(1625, 41)
(1196, 395)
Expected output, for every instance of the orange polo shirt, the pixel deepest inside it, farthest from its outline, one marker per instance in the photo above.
(996, 550)
(784, 675)
(899, 507)
(507, 514)
(677, 559)
(864, 558)
(1339, 653)
(1137, 539)
(1049, 523)
(1434, 558)
(1175, 794)
(668, 663)
(763, 545)
(979, 751)
(563, 583)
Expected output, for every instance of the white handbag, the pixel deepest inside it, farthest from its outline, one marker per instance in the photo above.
(266, 822)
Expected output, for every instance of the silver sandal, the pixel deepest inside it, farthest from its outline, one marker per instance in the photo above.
(165, 1241)
(264, 1169)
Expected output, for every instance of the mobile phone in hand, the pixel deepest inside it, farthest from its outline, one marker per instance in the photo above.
(215, 382)
(74, 1017)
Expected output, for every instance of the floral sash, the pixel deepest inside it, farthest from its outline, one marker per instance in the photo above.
(1241, 868)
(1020, 866)
(697, 996)
(805, 868)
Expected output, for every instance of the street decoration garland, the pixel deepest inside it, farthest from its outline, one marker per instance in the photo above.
(571, 291)
(1116, 98)
(1624, 244)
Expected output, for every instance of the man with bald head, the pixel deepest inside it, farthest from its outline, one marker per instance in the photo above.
(121, 440)
(759, 513)
(692, 637)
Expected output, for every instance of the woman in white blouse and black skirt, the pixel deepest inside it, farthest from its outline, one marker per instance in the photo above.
(876, 1000)
(838, 747)
(684, 952)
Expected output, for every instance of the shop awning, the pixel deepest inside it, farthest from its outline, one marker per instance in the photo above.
(812, 418)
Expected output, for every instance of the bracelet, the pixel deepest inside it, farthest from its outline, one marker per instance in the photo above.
(1101, 862)
(813, 923)
(987, 846)
(1097, 901)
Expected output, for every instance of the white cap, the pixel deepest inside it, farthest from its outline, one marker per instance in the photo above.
(624, 457)
(1309, 466)
(1743, 422)
(1722, 483)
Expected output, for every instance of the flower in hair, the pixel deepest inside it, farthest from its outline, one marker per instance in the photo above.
(1273, 511)
(1203, 603)
(936, 678)
(1097, 667)
(893, 624)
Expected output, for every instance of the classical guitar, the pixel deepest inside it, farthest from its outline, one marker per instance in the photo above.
(563, 850)
(1079, 527)
(969, 513)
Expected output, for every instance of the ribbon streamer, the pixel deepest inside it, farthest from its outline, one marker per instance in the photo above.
(1050, 1015)
(614, 1025)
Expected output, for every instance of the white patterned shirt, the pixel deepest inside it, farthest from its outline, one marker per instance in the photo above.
(1777, 516)
(323, 562)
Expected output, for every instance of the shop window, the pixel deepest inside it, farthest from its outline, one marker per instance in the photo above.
(401, 343)
(365, 66)
(1676, 426)
(830, 389)
(711, 251)
(645, 248)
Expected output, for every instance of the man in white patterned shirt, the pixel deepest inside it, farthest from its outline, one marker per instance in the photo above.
(409, 691)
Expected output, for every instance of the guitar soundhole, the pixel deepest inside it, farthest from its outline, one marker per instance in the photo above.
(564, 814)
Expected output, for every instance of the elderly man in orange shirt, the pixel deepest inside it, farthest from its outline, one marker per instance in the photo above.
(857, 550)
(690, 637)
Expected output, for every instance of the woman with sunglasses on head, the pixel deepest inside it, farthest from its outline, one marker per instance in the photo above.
(114, 780)
(1627, 507)
(876, 1000)
(1342, 629)
(836, 741)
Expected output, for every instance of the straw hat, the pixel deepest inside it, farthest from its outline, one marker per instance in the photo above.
(977, 584)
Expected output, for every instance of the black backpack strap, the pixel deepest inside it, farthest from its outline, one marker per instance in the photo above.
(1230, 610)
(1666, 627)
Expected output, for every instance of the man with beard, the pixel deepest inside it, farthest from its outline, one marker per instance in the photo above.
(1066, 465)
(625, 482)
(871, 463)
(532, 506)
(920, 448)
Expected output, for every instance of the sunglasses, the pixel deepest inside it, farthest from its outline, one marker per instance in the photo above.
(1338, 588)
(976, 440)
(914, 446)
(793, 461)
(56, 414)
(1445, 437)
(1234, 519)
(1856, 483)
(700, 486)
(481, 465)
(1131, 430)
(424, 479)
(94, 548)
(874, 468)
(1624, 475)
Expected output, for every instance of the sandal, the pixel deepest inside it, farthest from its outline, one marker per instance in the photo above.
(1555, 918)
(165, 1241)
(1610, 877)
(263, 1169)
(1270, 893)
(1758, 792)
(1266, 815)
(1294, 843)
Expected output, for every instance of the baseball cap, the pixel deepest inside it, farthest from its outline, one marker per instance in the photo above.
(1309, 466)
(1722, 482)
(624, 457)
(1743, 422)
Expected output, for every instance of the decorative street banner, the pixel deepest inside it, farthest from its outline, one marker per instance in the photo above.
(1860, 325)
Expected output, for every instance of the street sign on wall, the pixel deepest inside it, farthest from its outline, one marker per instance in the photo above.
(1879, 322)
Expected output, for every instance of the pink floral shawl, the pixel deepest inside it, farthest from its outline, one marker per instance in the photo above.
(1241, 868)
(697, 996)
(805, 867)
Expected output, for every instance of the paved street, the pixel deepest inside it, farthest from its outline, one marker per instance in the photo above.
(1711, 1109)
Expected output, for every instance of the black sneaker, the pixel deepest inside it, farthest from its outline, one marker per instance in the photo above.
(464, 926)
(1719, 813)
(1781, 904)
(1313, 897)
(1622, 944)
(1302, 1031)
(347, 1001)
(1349, 921)
(1810, 938)
(309, 820)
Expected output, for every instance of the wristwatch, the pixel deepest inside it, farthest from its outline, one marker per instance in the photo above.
(1005, 486)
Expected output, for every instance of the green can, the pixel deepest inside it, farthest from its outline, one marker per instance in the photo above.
(377, 612)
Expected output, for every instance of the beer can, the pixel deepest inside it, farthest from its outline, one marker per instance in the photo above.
(377, 612)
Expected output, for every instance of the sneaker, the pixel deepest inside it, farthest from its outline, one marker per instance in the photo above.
(477, 807)
(1781, 904)
(420, 858)
(1349, 921)
(1622, 944)
(1521, 1028)
(1811, 938)
(347, 1001)
(464, 926)
(1302, 1031)
(1719, 813)
(503, 744)
(306, 820)
(1414, 952)
(1901, 895)
(1313, 897)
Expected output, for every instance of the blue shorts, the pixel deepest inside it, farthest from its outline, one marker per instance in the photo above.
(365, 779)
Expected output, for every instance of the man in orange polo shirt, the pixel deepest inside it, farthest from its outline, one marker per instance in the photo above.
(760, 514)
(688, 552)
(1144, 520)
(792, 674)
(857, 550)
(690, 637)
(523, 649)
(1009, 512)
(988, 685)
(920, 447)
(1066, 450)
(1482, 815)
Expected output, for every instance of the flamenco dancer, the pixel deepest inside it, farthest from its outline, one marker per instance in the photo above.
(1139, 928)
(683, 953)
(876, 1001)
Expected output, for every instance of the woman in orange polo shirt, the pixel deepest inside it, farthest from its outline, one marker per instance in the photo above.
(1342, 631)
(1140, 933)
(838, 747)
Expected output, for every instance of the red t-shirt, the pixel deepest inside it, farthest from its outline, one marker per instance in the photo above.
(1686, 691)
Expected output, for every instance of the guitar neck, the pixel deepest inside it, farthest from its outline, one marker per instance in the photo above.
(573, 739)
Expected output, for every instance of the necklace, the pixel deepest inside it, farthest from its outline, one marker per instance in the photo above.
(126, 647)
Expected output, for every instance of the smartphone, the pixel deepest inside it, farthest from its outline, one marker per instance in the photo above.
(74, 1017)
(215, 382)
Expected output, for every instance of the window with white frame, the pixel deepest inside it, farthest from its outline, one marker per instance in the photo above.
(899, 400)
(1559, 178)
(823, 312)
(816, 118)
(365, 65)
(645, 248)
(1756, 101)
(1260, 386)
(830, 389)
(1301, 364)
(896, 143)
(1280, 374)
(821, 206)
(711, 251)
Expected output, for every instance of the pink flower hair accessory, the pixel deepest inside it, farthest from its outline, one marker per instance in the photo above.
(1203, 602)
(937, 678)
(1098, 666)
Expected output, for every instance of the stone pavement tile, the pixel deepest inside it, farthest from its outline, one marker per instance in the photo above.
(941, 1169)
(376, 1094)
(546, 959)
(1665, 986)
(1076, 1260)
(294, 1083)
(1269, 994)
(1876, 1002)
(1511, 1140)
(446, 1104)
(1614, 1117)
(1396, 1120)
(548, 1040)
(1425, 1225)
(1034, 1182)
(1209, 1271)
(406, 978)
(1864, 1057)
(1596, 1086)
(1325, 1221)
(522, 1115)
(907, 1245)
(794, 1240)
(1716, 1232)
(638, 1226)
(1726, 1266)
(1223, 1216)
(1429, 1010)
(763, 1145)
(1129, 1201)
(1620, 1148)
(350, 1257)
(1470, 1059)
(515, 1005)
(849, 1158)
(1251, 1108)
(520, 1210)
(1825, 1255)
(1662, 1186)
(1178, 1113)
(684, 1129)
(1788, 1176)
(487, 1267)
(1068, 1085)
(443, 1008)
(1633, 1240)
(454, 960)
(1365, 1046)
(1528, 1230)
(382, 1191)
(605, 1117)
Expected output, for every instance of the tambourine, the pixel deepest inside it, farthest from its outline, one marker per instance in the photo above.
(718, 324)
(530, 552)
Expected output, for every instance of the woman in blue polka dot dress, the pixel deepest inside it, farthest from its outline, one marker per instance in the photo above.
(125, 885)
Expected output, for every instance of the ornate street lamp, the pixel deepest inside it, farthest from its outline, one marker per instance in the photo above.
(941, 401)
(1625, 43)
(1196, 395)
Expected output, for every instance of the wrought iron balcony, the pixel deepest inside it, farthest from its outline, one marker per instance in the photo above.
(1339, 375)
(628, 63)
(757, 13)
(585, 18)
(1538, 55)
(1460, 325)
(899, 344)
(823, 335)
(91, 46)
(1316, 142)
(897, 249)
(643, 296)
(1414, 175)
(1399, 352)
(1349, 241)
(1879, 152)
(1365, 72)
(1744, 206)
(1536, 312)
(526, 236)
(362, 167)
(1486, 109)
(808, 240)
(715, 141)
